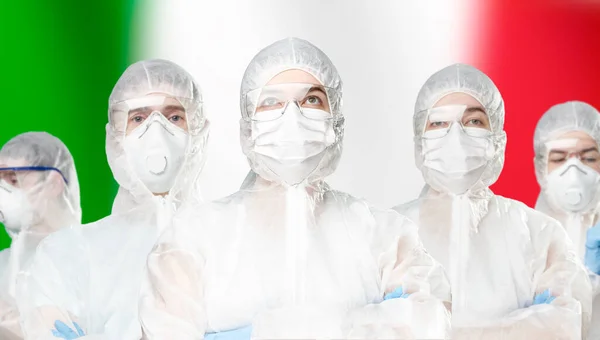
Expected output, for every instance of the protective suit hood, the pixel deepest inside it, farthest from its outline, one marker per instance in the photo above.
(140, 79)
(283, 55)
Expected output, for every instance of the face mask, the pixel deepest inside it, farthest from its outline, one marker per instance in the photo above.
(573, 186)
(292, 146)
(156, 151)
(16, 212)
(454, 160)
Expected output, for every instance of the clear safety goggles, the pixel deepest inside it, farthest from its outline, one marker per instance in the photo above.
(439, 120)
(561, 150)
(270, 102)
(14, 176)
(130, 114)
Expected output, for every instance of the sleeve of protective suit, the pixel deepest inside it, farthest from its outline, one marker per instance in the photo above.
(595, 280)
(9, 316)
(45, 294)
(568, 316)
(9, 323)
(405, 264)
(171, 298)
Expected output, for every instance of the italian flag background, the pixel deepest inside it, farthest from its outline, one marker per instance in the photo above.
(62, 58)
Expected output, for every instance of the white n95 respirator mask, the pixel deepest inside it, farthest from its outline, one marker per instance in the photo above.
(573, 187)
(293, 145)
(16, 212)
(156, 151)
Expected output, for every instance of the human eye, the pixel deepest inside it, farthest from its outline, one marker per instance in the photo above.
(557, 157)
(138, 116)
(474, 122)
(137, 119)
(437, 125)
(475, 118)
(269, 103)
(315, 100)
(10, 177)
(590, 157)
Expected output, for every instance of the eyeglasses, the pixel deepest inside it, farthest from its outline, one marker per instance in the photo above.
(438, 121)
(10, 173)
(127, 115)
(270, 102)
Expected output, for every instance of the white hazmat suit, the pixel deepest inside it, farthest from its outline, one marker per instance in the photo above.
(286, 254)
(90, 275)
(497, 252)
(558, 120)
(39, 194)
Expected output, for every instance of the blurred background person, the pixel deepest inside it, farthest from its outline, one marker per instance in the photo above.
(39, 194)
(84, 280)
(567, 167)
(512, 269)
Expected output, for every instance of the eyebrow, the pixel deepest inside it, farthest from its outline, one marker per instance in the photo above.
(316, 88)
(173, 107)
(475, 109)
(593, 148)
(139, 109)
(278, 91)
(147, 108)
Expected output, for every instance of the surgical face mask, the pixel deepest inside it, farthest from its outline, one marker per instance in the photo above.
(292, 146)
(573, 187)
(16, 212)
(156, 151)
(454, 159)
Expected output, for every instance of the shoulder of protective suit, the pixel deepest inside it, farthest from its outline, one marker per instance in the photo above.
(535, 220)
(190, 217)
(71, 232)
(79, 235)
(363, 208)
(346, 200)
(67, 243)
(215, 206)
(409, 209)
(4, 257)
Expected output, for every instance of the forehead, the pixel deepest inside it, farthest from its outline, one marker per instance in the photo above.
(294, 76)
(573, 140)
(171, 102)
(152, 100)
(458, 98)
(12, 162)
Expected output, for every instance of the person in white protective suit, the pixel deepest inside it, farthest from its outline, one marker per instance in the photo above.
(39, 194)
(287, 257)
(513, 272)
(567, 164)
(84, 281)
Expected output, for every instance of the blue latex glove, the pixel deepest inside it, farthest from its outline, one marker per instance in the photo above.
(234, 334)
(65, 332)
(592, 249)
(398, 293)
(543, 297)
